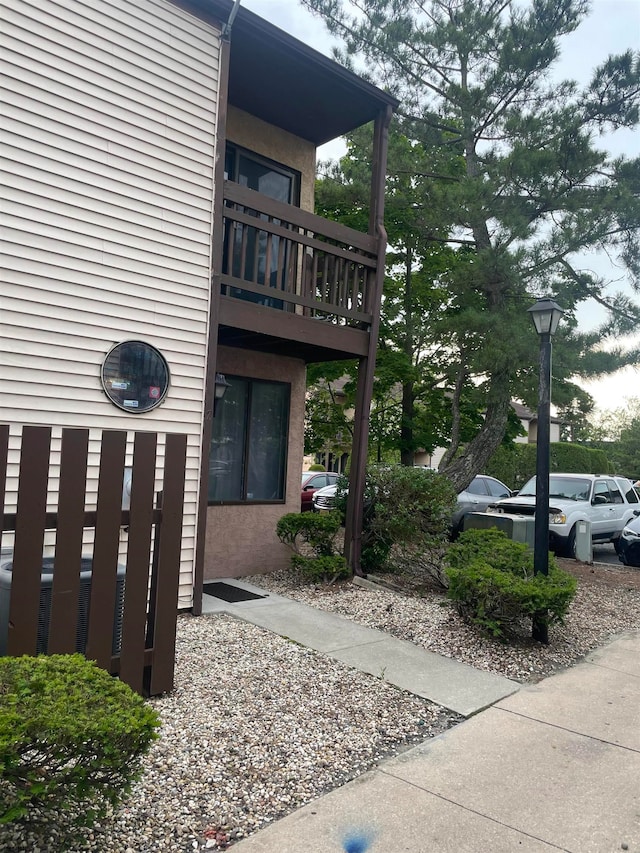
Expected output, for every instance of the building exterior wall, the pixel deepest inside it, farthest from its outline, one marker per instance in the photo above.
(109, 147)
(256, 135)
(241, 539)
(532, 428)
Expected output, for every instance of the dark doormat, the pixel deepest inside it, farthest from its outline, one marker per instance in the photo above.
(227, 592)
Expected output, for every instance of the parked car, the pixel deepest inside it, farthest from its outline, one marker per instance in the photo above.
(482, 492)
(311, 482)
(324, 499)
(609, 503)
(629, 543)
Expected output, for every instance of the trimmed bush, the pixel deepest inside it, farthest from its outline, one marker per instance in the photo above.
(327, 569)
(407, 509)
(71, 739)
(492, 582)
(516, 463)
(311, 536)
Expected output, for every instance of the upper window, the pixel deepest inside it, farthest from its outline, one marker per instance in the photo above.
(262, 175)
(250, 252)
(247, 459)
(135, 376)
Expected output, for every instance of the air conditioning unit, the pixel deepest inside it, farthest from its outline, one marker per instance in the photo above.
(44, 609)
(520, 528)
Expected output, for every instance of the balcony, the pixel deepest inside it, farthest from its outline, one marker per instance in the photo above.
(294, 283)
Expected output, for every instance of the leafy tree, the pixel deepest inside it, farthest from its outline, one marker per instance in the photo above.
(410, 408)
(574, 416)
(609, 425)
(408, 373)
(618, 433)
(628, 457)
(506, 176)
(328, 427)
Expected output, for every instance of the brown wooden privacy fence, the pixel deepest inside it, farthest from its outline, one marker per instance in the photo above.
(281, 256)
(127, 619)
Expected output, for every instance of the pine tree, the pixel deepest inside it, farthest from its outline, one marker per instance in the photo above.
(532, 190)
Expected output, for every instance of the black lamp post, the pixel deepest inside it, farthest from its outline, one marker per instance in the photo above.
(545, 315)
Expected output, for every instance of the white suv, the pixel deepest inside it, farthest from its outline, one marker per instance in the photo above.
(607, 502)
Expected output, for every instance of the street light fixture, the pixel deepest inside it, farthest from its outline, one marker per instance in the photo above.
(546, 315)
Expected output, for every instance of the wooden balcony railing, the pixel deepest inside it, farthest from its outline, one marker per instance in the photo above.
(283, 257)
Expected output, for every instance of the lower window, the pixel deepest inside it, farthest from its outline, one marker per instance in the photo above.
(248, 454)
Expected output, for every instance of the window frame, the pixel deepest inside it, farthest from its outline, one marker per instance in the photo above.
(233, 152)
(246, 426)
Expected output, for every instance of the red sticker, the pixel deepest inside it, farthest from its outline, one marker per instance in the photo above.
(154, 392)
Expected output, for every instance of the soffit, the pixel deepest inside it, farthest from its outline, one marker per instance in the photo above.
(286, 83)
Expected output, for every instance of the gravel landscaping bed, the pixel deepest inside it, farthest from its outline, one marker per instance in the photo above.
(258, 725)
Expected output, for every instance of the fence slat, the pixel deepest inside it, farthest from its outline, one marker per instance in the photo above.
(163, 634)
(29, 540)
(63, 621)
(144, 657)
(105, 548)
(138, 553)
(4, 456)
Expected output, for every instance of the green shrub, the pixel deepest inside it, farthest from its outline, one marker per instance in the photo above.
(327, 569)
(311, 536)
(317, 467)
(516, 463)
(578, 458)
(405, 509)
(492, 581)
(71, 739)
(513, 464)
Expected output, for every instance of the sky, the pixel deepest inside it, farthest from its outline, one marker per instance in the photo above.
(613, 26)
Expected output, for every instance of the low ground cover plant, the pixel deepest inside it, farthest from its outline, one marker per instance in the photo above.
(492, 582)
(312, 538)
(71, 740)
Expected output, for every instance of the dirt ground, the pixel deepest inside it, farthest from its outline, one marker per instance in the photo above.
(611, 576)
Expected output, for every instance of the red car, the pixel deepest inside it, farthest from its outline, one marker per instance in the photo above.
(311, 482)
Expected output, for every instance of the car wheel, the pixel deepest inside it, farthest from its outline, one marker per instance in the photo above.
(570, 548)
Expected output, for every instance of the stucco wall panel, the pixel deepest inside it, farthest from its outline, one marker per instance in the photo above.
(269, 141)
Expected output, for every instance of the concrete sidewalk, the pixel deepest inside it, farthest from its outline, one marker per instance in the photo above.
(447, 682)
(555, 766)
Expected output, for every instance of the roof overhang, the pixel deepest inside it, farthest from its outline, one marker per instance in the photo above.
(284, 82)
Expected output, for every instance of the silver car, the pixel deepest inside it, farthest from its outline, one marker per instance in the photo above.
(477, 497)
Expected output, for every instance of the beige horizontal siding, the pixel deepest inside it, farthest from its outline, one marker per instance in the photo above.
(108, 149)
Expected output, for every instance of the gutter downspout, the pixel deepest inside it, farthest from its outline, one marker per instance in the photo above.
(214, 310)
(226, 30)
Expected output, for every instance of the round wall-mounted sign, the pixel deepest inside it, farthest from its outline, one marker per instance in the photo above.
(135, 376)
